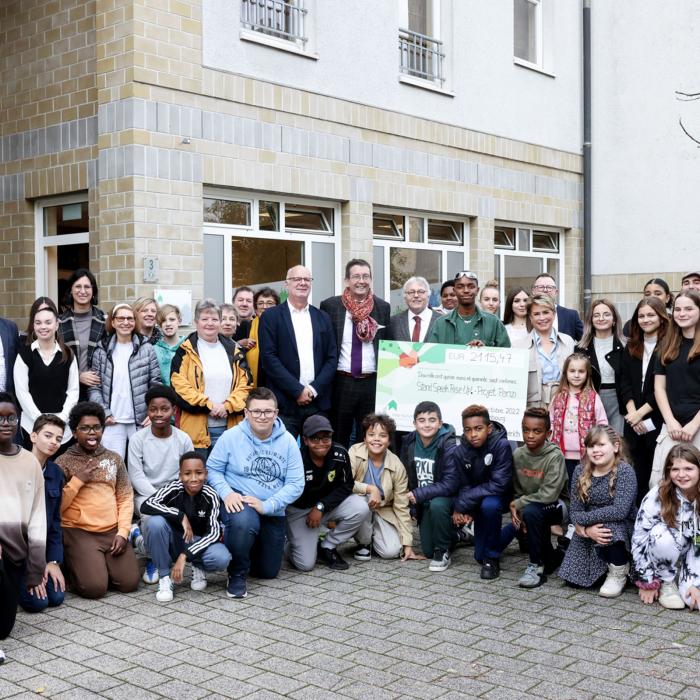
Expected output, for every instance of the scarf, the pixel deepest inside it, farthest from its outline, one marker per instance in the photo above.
(586, 416)
(365, 326)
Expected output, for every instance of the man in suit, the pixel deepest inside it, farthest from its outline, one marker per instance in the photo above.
(9, 340)
(566, 320)
(417, 321)
(298, 353)
(360, 320)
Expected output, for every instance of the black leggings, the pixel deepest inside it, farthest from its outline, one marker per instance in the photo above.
(615, 553)
(10, 579)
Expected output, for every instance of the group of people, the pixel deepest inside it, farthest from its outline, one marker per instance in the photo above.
(230, 449)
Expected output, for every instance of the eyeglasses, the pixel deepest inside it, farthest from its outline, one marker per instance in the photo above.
(299, 280)
(266, 304)
(416, 293)
(10, 420)
(321, 438)
(600, 317)
(262, 412)
(468, 274)
(544, 287)
(87, 429)
(124, 319)
(361, 278)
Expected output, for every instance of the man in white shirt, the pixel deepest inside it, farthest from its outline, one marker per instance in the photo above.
(298, 353)
(414, 323)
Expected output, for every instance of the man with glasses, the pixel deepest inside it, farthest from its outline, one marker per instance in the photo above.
(467, 324)
(360, 320)
(565, 320)
(298, 354)
(327, 497)
(418, 320)
(256, 469)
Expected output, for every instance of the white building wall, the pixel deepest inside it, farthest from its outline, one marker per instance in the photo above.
(646, 172)
(358, 60)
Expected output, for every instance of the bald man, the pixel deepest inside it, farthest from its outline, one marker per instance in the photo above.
(298, 353)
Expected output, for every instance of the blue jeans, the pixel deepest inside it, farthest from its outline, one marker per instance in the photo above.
(30, 603)
(214, 434)
(256, 542)
(487, 529)
(165, 544)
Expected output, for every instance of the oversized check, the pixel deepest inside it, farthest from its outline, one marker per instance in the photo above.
(453, 376)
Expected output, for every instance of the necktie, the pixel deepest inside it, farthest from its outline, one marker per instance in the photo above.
(355, 354)
(416, 329)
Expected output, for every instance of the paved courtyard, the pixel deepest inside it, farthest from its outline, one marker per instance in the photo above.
(380, 630)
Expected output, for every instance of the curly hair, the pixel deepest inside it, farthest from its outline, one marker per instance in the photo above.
(380, 419)
(595, 434)
(668, 492)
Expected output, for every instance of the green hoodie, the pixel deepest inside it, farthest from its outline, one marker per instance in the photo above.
(424, 456)
(538, 477)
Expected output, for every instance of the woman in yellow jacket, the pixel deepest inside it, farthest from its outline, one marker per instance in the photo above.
(381, 477)
(211, 378)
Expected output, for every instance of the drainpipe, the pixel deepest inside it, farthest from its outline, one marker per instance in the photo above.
(587, 173)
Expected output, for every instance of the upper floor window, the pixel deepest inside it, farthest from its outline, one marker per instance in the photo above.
(283, 19)
(527, 29)
(421, 52)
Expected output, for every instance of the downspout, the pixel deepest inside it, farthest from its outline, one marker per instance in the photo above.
(587, 172)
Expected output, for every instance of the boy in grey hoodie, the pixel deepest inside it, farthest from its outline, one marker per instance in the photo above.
(539, 478)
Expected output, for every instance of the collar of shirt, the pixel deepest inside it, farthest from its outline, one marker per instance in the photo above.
(294, 310)
(35, 346)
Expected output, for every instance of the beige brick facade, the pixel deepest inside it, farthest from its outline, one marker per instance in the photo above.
(159, 127)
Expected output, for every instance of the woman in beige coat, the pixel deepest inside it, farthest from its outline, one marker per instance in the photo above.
(381, 477)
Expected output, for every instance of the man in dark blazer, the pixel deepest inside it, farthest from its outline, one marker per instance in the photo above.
(417, 321)
(567, 320)
(9, 337)
(360, 320)
(298, 353)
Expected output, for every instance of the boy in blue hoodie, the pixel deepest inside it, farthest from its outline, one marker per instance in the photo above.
(257, 470)
(432, 483)
(484, 464)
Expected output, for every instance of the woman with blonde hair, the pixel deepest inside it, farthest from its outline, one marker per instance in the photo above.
(490, 297)
(146, 314)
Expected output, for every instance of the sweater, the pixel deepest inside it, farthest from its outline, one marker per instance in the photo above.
(202, 510)
(269, 469)
(538, 477)
(103, 504)
(23, 520)
(484, 326)
(165, 353)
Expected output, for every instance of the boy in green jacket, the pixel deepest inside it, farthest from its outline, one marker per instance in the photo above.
(539, 478)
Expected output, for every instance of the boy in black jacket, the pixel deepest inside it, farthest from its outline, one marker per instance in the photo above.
(433, 484)
(484, 465)
(184, 526)
(327, 496)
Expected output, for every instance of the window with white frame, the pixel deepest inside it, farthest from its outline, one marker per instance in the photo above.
(253, 239)
(421, 51)
(523, 252)
(527, 30)
(62, 240)
(283, 19)
(433, 246)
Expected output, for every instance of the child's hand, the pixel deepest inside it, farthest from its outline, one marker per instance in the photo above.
(648, 596)
(118, 546)
(599, 534)
(255, 503)
(187, 533)
(375, 497)
(178, 568)
(514, 516)
(694, 595)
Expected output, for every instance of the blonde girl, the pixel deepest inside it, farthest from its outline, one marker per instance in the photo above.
(169, 319)
(575, 409)
(603, 493)
(490, 298)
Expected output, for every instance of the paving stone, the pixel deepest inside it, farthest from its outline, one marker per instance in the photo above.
(46, 685)
(95, 681)
(8, 689)
(281, 684)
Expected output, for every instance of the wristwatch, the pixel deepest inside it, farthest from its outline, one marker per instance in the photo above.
(320, 507)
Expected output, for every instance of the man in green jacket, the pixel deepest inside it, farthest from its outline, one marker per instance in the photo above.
(467, 324)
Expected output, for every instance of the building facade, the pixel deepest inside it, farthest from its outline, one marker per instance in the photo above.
(191, 146)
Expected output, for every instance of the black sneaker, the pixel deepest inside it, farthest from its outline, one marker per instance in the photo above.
(236, 587)
(332, 559)
(490, 569)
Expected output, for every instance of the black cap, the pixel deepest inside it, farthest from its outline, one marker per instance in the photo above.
(316, 424)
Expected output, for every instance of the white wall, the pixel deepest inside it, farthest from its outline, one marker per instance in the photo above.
(357, 45)
(646, 172)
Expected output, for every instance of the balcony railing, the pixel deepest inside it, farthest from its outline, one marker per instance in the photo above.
(421, 56)
(280, 18)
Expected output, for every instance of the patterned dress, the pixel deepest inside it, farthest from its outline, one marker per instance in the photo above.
(582, 565)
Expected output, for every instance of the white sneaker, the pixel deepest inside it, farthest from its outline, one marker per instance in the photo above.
(199, 579)
(615, 581)
(150, 573)
(441, 561)
(670, 598)
(165, 590)
(2, 657)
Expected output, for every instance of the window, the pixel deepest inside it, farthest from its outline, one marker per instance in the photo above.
(527, 28)
(62, 243)
(253, 241)
(408, 244)
(522, 253)
(283, 19)
(421, 53)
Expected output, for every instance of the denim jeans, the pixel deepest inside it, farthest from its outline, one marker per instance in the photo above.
(214, 434)
(30, 603)
(256, 542)
(165, 544)
(487, 529)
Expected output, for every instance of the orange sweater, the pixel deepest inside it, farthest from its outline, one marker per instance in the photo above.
(100, 505)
